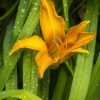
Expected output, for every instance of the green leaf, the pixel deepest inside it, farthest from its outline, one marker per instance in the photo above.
(43, 90)
(84, 62)
(30, 73)
(95, 78)
(9, 11)
(27, 31)
(60, 85)
(20, 94)
(65, 10)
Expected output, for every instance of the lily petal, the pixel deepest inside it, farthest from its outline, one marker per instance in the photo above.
(84, 38)
(34, 43)
(43, 61)
(68, 52)
(52, 25)
(81, 50)
(74, 32)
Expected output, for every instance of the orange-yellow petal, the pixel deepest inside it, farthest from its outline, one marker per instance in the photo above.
(84, 38)
(74, 32)
(34, 43)
(81, 50)
(52, 25)
(43, 61)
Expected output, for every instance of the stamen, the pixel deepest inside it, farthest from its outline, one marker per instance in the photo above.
(66, 44)
(59, 42)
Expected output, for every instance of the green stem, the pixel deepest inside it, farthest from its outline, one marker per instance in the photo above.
(70, 68)
(65, 9)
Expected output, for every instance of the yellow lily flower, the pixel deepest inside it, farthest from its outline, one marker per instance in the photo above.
(56, 46)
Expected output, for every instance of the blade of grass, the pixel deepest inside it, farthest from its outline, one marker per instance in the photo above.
(12, 82)
(65, 10)
(29, 27)
(77, 7)
(1, 63)
(27, 31)
(85, 62)
(1, 51)
(69, 67)
(20, 17)
(7, 40)
(67, 88)
(20, 94)
(13, 78)
(10, 11)
(43, 90)
(95, 78)
(30, 75)
(60, 85)
(70, 2)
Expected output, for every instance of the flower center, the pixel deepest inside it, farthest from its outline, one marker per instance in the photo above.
(55, 48)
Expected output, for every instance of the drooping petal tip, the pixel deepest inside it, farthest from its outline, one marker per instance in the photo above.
(11, 52)
(34, 43)
(87, 21)
(80, 50)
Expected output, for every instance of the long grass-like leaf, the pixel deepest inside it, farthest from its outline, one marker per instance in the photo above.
(12, 83)
(84, 63)
(30, 75)
(27, 31)
(43, 90)
(20, 94)
(95, 78)
(10, 11)
(60, 85)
